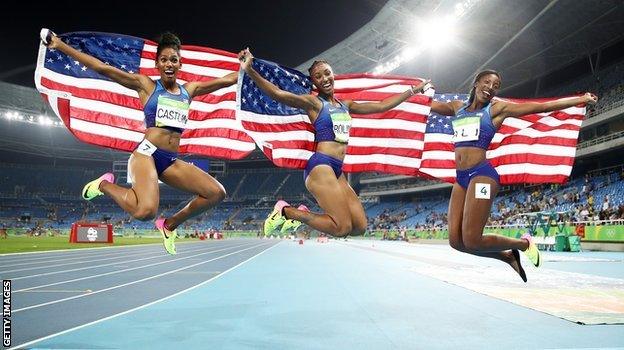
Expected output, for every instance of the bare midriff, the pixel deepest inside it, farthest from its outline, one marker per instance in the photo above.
(164, 139)
(333, 149)
(468, 157)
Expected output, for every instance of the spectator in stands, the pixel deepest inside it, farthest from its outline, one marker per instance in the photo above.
(156, 156)
(590, 200)
(596, 217)
(605, 203)
(477, 181)
(584, 213)
(323, 175)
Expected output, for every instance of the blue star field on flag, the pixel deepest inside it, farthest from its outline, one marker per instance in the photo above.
(120, 51)
(287, 79)
(441, 124)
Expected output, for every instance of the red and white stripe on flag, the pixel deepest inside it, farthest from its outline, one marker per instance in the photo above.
(535, 148)
(104, 113)
(389, 142)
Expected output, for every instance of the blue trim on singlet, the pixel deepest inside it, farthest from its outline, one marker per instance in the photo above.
(149, 110)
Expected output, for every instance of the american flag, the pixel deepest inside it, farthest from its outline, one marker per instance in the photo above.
(535, 148)
(101, 112)
(389, 142)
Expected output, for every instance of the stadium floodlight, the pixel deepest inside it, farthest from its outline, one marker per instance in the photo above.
(41, 119)
(12, 115)
(44, 120)
(408, 53)
(437, 33)
(432, 35)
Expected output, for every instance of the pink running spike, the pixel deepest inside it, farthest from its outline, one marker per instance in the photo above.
(279, 206)
(527, 237)
(160, 224)
(110, 177)
(303, 208)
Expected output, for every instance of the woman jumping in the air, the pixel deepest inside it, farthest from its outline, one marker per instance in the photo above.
(477, 181)
(165, 106)
(343, 211)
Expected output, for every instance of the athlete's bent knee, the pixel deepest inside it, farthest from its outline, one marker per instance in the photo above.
(221, 194)
(144, 214)
(456, 242)
(343, 230)
(358, 230)
(473, 244)
(216, 193)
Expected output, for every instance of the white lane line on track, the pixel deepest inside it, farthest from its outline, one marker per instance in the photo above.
(142, 306)
(60, 291)
(71, 263)
(159, 255)
(75, 250)
(125, 270)
(131, 283)
(114, 254)
(86, 261)
(86, 252)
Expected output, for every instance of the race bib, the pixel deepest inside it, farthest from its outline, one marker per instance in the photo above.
(482, 191)
(147, 148)
(342, 125)
(171, 112)
(466, 129)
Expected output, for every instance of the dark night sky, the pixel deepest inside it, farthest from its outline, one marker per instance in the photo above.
(288, 32)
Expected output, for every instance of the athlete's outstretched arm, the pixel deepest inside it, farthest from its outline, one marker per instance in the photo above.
(502, 110)
(197, 88)
(135, 82)
(446, 108)
(386, 104)
(305, 102)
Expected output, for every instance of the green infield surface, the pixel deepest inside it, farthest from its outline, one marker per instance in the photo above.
(19, 244)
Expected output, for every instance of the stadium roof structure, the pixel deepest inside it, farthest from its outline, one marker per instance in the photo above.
(521, 39)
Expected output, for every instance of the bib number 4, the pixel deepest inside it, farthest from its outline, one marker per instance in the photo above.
(482, 191)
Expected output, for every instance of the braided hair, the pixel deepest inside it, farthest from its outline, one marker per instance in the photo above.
(314, 64)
